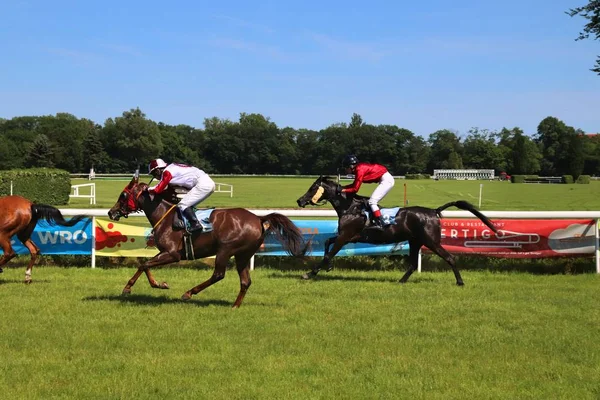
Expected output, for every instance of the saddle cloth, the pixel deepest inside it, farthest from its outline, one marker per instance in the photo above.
(388, 215)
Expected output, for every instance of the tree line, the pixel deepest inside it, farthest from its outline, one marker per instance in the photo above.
(256, 145)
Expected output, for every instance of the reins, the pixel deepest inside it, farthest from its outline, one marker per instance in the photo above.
(163, 217)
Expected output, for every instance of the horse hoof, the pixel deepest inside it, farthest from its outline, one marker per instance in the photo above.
(28, 281)
(307, 276)
(186, 296)
(460, 284)
(126, 292)
(164, 285)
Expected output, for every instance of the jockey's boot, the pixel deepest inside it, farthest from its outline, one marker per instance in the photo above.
(378, 222)
(190, 215)
(178, 222)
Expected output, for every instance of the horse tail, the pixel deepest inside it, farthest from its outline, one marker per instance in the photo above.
(52, 215)
(286, 233)
(465, 205)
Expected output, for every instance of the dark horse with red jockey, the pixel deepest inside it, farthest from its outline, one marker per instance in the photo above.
(236, 232)
(420, 226)
(19, 216)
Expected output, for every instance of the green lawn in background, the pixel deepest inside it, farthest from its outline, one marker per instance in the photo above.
(259, 192)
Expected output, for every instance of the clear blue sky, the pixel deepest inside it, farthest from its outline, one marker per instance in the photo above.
(422, 65)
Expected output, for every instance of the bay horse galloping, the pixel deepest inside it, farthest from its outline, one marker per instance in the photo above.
(235, 232)
(420, 226)
(19, 216)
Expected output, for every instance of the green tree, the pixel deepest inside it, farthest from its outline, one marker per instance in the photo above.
(590, 12)
(224, 145)
(131, 141)
(40, 153)
(525, 155)
(446, 151)
(93, 152)
(558, 147)
(481, 151)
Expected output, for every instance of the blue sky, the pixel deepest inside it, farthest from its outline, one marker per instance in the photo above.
(423, 66)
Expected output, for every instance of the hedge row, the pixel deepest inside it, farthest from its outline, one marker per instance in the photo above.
(585, 179)
(40, 185)
(417, 176)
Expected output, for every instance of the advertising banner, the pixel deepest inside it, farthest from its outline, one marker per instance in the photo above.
(321, 230)
(76, 239)
(114, 239)
(520, 238)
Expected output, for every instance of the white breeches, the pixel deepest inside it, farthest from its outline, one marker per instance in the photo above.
(385, 185)
(205, 186)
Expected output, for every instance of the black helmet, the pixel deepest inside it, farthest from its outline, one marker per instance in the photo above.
(349, 161)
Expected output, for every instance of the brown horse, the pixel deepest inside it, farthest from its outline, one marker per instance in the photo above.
(419, 225)
(19, 216)
(236, 232)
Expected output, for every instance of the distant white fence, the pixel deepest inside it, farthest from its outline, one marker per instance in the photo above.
(91, 196)
(463, 174)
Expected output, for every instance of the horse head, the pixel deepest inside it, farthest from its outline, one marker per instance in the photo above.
(322, 190)
(130, 200)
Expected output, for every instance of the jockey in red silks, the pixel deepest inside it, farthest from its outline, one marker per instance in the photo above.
(198, 182)
(369, 173)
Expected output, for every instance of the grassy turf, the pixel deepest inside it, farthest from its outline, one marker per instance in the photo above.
(352, 335)
(256, 192)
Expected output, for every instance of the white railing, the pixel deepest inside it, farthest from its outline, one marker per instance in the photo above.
(224, 188)
(91, 196)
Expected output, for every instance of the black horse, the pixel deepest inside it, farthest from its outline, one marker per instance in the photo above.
(419, 225)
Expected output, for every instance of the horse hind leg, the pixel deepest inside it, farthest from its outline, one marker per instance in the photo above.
(413, 257)
(449, 258)
(7, 249)
(221, 260)
(35, 251)
(243, 267)
(25, 237)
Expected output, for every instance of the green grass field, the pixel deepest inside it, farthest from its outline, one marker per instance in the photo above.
(348, 335)
(255, 192)
(351, 335)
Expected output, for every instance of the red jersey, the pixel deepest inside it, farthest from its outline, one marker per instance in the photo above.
(367, 173)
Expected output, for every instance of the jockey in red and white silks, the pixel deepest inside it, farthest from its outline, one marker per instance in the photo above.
(200, 186)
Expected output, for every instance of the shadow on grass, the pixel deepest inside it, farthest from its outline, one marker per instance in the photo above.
(147, 300)
(22, 281)
(325, 276)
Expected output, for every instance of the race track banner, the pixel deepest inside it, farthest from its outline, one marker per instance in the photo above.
(520, 238)
(114, 239)
(321, 230)
(76, 239)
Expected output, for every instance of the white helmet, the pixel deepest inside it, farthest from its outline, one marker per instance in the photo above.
(154, 164)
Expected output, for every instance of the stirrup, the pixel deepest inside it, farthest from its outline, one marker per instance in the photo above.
(196, 228)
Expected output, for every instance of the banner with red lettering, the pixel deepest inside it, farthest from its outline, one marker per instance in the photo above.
(524, 238)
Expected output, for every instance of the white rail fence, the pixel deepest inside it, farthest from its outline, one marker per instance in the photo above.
(594, 215)
(91, 196)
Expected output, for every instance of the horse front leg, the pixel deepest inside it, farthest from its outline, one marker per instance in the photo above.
(317, 267)
(159, 259)
(339, 242)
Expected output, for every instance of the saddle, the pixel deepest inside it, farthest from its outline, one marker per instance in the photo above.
(388, 214)
(179, 222)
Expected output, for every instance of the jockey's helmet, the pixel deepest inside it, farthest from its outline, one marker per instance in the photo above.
(349, 161)
(154, 164)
